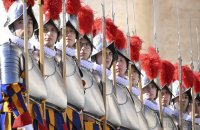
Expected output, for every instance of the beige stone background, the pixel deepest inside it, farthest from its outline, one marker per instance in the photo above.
(166, 23)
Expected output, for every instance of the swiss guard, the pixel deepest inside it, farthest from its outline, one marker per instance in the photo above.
(13, 72)
(187, 76)
(196, 85)
(94, 109)
(112, 109)
(73, 81)
(56, 101)
(135, 48)
(150, 63)
(166, 78)
(126, 104)
(167, 70)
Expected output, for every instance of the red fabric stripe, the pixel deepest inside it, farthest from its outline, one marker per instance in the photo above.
(22, 120)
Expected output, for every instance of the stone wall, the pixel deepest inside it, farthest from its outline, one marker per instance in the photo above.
(166, 24)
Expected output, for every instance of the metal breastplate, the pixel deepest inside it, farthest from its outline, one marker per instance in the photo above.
(152, 119)
(142, 120)
(112, 108)
(37, 86)
(94, 105)
(56, 92)
(11, 63)
(127, 108)
(168, 123)
(187, 125)
(75, 89)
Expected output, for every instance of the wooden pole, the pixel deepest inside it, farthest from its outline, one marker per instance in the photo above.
(104, 60)
(41, 40)
(135, 33)
(180, 75)
(64, 50)
(192, 68)
(156, 47)
(128, 48)
(198, 63)
(26, 53)
(114, 63)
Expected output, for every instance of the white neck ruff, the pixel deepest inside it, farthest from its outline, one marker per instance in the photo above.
(69, 51)
(136, 91)
(19, 42)
(121, 81)
(151, 105)
(99, 69)
(47, 51)
(87, 64)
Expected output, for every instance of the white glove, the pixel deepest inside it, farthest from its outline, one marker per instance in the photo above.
(26, 127)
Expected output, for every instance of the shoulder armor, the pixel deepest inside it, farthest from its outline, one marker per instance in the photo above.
(121, 95)
(73, 77)
(11, 62)
(55, 84)
(36, 90)
(93, 106)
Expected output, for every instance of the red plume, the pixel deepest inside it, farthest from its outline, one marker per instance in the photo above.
(52, 9)
(7, 4)
(150, 63)
(166, 72)
(197, 82)
(187, 77)
(176, 72)
(97, 26)
(73, 6)
(30, 3)
(85, 19)
(120, 40)
(135, 46)
(111, 28)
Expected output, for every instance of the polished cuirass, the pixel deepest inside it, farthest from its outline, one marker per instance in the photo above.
(168, 123)
(11, 63)
(152, 119)
(75, 88)
(94, 105)
(56, 92)
(37, 86)
(112, 108)
(129, 116)
(139, 109)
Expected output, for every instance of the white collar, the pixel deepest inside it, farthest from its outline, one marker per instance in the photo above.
(19, 42)
(121, 81)
(151, 105)
(69, 51)
(47, 51)
(87, 64)
(136, 91)
(98, 68)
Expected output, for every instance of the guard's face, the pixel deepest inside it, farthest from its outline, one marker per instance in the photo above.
(18, 26)
(109, 58)
(185, 102)
(134, 76)
(50, 35)
(149, 92)
(86, 49)
(121, 66)
(70, 37)
(165, 97)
